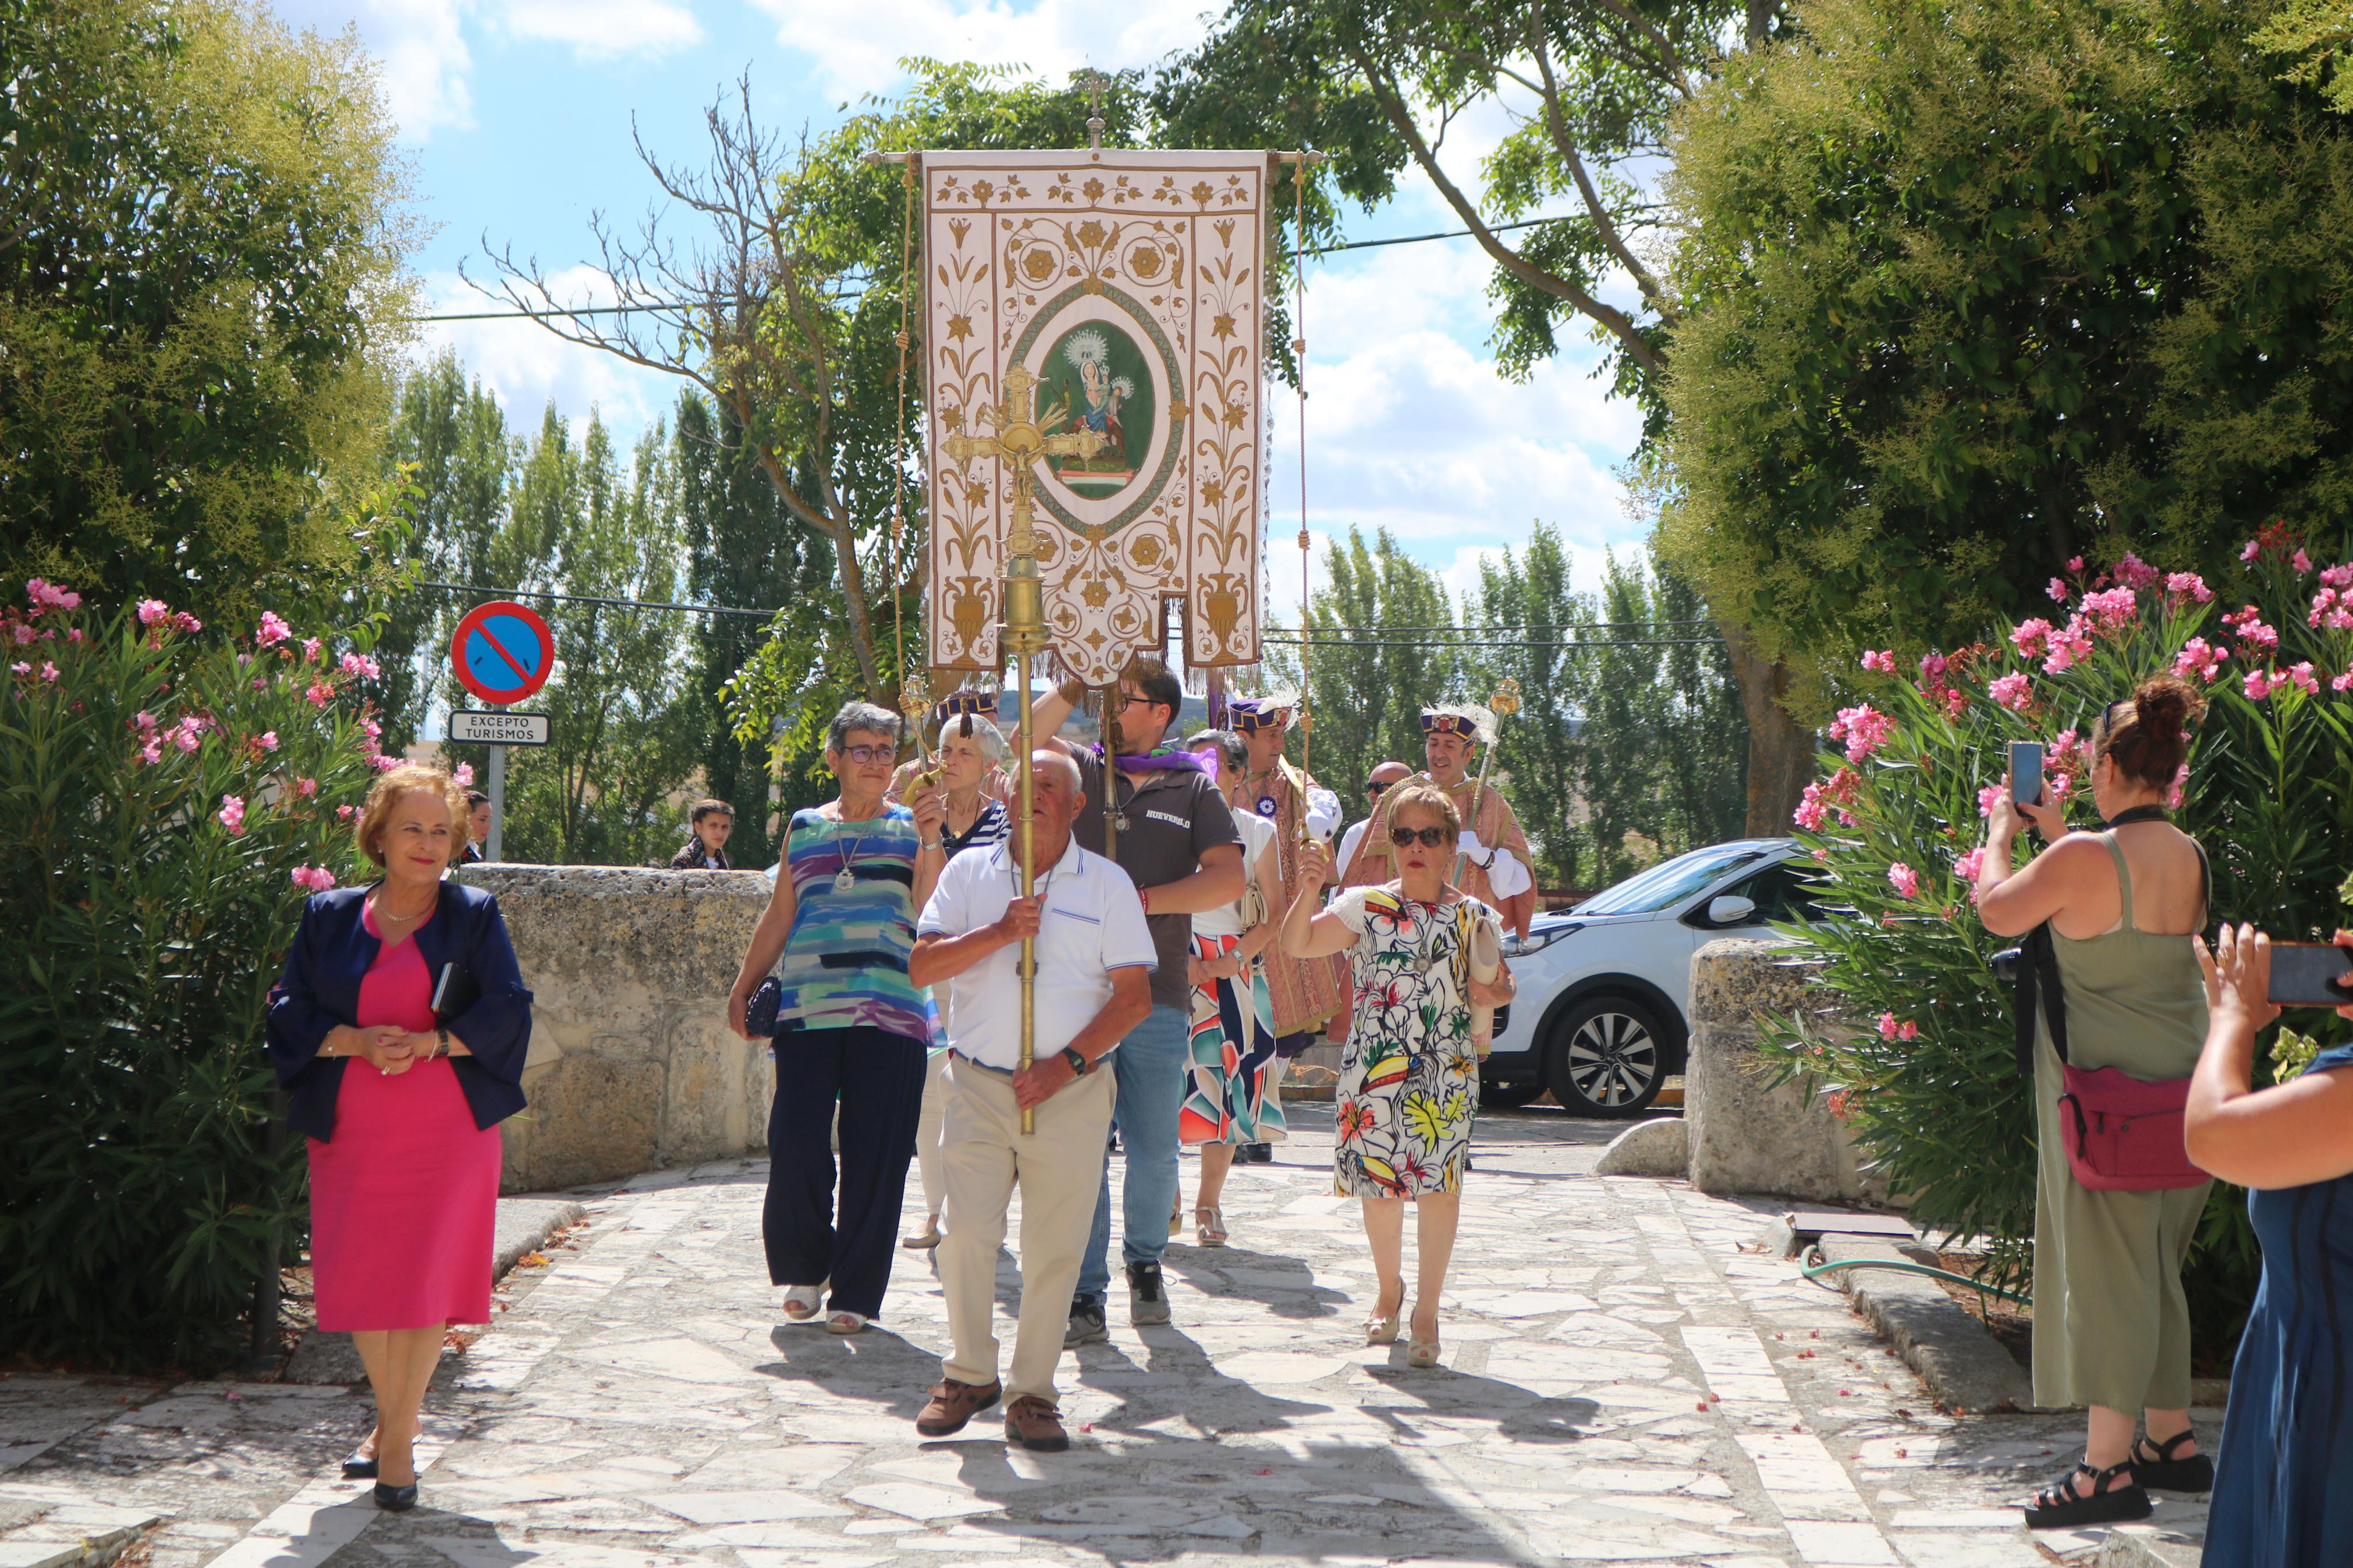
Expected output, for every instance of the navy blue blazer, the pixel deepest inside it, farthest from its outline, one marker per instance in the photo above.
(321, 989)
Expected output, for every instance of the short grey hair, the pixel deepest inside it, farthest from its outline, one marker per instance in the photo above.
(1231, 747)
(860, 716)
(994, 746)
(1047, 757)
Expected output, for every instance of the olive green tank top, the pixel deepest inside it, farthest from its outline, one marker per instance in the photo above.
(2134, 999)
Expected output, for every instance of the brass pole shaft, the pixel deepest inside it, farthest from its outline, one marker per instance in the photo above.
(1028, 970)
(1111, 705)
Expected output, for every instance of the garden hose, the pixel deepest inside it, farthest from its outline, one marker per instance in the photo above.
(1816, 1270)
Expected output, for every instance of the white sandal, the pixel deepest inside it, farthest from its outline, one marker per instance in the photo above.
(1209, 1227)
(845, 1324)
(801, 1301)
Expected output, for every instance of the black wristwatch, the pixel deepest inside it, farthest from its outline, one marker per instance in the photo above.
(1080, 1065)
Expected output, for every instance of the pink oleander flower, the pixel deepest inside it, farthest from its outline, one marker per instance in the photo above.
(1811, 809)
(1956, 702)
(2300, 562)
(310, 651)
(385, 764)
(2113, 610)
(2198, 658)
(2173, 791)
(1933, 666)
(2339, 577)
(2188, 585)
(20, 634)
(188, 733)
(2031, 637)
(232, 813)
(2075, 563)
(1823, 855)
(1967, 866)
(50, 597)
(462, 775)
(183, 621)
(2304, 680)
(2057, 589)
(261, 683)
(1986, 797)
(152, 611)
(1889, 1029)
(1865, 729)
(2135, 572)
(361, 665)
(2343, 682)
(375, 731)
(313, 879)
(49, 672)
(319, 693)
(20, 668)
(2259, 684)
(2069, 646)
(1904, 880)
(305, 788)
(153, 752)
(2322, 603)
(272, 630)
(2248, 624)
(2013, 690)
(2061, 787)
(343, 813)
(2253, 547)
(1882, 662)
(2063, 749)
(74, 635)
(146, 720)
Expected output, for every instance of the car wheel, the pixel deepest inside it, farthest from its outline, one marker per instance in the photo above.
(1607, 1058)
(1509, 1095)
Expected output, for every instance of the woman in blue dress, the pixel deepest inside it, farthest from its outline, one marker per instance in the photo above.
(2283, 1483)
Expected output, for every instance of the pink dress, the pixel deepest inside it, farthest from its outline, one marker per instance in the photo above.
(404, 1199)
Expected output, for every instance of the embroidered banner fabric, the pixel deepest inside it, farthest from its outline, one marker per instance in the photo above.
(1127, 285)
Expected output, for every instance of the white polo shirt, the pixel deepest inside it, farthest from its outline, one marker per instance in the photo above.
(1093, 924)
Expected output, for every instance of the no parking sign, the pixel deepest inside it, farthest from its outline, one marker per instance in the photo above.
(503, 651)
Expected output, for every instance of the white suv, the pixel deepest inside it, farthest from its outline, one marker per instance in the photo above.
(1604, 987)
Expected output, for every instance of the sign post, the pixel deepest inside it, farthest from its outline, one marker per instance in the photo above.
(502, 653)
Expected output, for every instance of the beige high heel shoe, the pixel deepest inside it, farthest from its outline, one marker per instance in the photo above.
(1382, 1329)
(1422, 1353)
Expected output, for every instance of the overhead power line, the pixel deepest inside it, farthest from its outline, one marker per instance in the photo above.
(671, 305)
(593, 599)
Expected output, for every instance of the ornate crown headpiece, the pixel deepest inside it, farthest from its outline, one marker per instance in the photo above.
(1467, 720)
(1276, 709)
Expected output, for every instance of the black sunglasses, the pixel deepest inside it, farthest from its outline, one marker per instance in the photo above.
(1431, 837)
(1374, 789)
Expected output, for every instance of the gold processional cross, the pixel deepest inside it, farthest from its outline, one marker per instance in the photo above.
(1022, 438)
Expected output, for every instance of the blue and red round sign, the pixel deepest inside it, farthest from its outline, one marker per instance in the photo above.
(503, 651)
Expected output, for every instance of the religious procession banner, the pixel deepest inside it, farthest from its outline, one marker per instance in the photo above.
(1111, 299)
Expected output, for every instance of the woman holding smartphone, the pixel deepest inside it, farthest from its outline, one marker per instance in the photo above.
(2283, 1486)
(2112, 1320)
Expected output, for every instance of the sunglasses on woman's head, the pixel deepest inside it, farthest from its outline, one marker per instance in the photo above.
(1431, 837)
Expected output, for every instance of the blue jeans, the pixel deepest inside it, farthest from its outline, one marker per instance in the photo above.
(1151, 1065)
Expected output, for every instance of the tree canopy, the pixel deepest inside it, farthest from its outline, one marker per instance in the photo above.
(1974, 287)
(201, 250)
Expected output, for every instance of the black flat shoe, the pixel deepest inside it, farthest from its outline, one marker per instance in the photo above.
(2060, 1506)
(395, 1499)
(2164, 1473)
(359, 1467)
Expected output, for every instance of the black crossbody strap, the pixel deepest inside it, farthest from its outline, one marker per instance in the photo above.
(2038, 985)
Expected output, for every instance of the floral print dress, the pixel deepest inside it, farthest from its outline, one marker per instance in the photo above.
(1408, 1077)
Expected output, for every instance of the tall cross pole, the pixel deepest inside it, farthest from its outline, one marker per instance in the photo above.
(1095, 87)
(1022, 438)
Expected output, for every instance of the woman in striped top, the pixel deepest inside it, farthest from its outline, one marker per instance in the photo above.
(850, 1028)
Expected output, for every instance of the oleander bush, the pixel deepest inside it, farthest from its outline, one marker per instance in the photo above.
(1930, 1089)
(168, 794)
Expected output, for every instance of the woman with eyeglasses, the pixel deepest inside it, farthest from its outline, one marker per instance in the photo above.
(851, 1028)
(1410, 1075)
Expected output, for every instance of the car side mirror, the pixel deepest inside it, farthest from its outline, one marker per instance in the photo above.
(1730, 910)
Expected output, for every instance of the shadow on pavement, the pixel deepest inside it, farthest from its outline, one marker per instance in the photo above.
(1465, 1396)
(876, 1366)
(1285, 1286)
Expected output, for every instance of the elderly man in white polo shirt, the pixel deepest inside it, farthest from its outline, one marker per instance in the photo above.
(1095, 960)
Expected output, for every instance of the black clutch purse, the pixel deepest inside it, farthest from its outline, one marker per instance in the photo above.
(454, 992)
(760, 1012)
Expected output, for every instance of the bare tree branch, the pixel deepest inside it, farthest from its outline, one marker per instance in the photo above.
(1566, 145)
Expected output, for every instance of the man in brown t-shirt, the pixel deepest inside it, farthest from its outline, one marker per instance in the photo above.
(1177, 842)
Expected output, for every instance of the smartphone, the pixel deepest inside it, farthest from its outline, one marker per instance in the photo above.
(2303, 974)
(2026, 772)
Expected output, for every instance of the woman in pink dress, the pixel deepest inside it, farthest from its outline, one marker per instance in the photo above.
(414, 978)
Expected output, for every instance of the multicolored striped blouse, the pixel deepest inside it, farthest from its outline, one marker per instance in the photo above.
(846, 961)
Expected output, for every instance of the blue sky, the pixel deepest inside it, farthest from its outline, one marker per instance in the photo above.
(517, 114)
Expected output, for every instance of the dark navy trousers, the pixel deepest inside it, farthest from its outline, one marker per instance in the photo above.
(812, 1235)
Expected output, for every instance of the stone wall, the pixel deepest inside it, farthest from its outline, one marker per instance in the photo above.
(632, 1066)
(1744, 1136)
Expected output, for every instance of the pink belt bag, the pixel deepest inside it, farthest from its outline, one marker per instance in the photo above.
(2124, 1135)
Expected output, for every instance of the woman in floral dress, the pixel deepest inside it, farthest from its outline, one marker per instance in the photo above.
(1409, 1076)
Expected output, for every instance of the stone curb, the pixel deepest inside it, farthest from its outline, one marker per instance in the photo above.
(76, 1536)
(1962, 1364)
(1656, 1148)
(524, 1225)
(2135, 1546)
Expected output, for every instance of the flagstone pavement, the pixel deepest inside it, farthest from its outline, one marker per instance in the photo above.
(1627, 1377)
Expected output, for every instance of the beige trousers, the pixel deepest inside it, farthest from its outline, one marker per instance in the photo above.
(1059, 1171)
(929, 1165)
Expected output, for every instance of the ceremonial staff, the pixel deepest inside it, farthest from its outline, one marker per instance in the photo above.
(1503, 704)
(1022, 438)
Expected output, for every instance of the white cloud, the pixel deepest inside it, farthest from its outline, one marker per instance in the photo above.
(856, 48)
(606, 29)
(528, 366)
(1411, 429)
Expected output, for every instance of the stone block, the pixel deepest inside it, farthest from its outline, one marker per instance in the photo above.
(1964, 1367)
(632, 1066)
(1659, 1148)
(1744, 1136)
